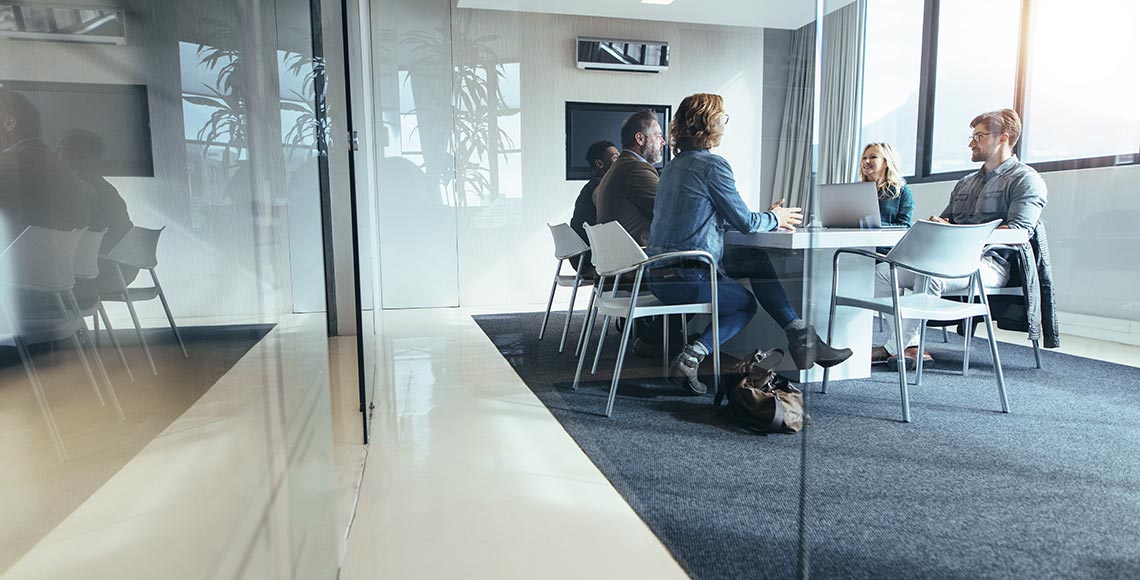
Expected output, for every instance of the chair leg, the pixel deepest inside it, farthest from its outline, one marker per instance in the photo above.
(95, 321)
(665, 345)
(945, 335)
(114, 341)
(591, 316)
(625, 332)
(82, 354)
(135, 319)
(602, 341)
(921, 349)
(37, 385)
(569, 312)
(550, 301)
(589, 313)
(86, 336)
(966, 346)
(831, 339)
(1037, 352)
(169, 316)
(685, 329)
(997, 364)
(904, 394)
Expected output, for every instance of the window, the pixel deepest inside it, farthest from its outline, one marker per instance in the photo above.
(976, 72)
(891, 71)
(1083, 91)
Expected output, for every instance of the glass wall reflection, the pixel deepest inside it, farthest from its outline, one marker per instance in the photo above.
(161, 295)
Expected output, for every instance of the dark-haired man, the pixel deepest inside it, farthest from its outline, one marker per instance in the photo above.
(601, 156)
(628, 190)
(1003, 189)
(35, 188)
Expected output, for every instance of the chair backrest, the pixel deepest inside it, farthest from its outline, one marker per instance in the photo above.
(139, 248)
(613, 249)
(40, 259)
(943, 250)
(567, 243)
(87, 254)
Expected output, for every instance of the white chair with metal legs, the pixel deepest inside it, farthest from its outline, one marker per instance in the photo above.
(139, 249)
(615, 254)
(567, 246)
(931, 249)
(87, 268)
(1003, 291)
(40, 266)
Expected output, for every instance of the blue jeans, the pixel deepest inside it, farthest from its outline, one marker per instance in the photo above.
(737, 306)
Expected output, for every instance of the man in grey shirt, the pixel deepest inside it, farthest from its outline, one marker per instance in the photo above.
(1003, 188)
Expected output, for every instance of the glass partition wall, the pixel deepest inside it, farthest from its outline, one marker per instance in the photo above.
(165, 368)
(964, 489)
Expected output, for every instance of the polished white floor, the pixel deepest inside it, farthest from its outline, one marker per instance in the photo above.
(469, 476)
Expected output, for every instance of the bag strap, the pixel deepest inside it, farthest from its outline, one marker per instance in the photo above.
(777, 415)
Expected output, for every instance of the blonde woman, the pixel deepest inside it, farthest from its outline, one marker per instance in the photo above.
(880, 164)
(696, 203)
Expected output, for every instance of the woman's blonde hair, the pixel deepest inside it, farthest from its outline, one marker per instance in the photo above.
(697, 123)
(895, 179)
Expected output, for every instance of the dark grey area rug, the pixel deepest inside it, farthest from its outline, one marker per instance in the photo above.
(1051, 490)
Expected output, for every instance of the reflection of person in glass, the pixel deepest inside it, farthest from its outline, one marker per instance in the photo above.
(35, 188)
(697, 201)
(82, 151)
(880, 165)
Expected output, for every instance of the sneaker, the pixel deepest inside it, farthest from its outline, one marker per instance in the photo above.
(683, 371)
(807, 348)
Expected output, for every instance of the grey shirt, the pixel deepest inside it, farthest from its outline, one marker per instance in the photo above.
(1013, 192)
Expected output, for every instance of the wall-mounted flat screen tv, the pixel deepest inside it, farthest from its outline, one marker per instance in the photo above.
(587, 123)
(117, 113)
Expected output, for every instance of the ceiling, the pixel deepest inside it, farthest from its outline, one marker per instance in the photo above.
(788, 14)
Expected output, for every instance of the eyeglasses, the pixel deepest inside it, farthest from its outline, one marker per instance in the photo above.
(978, 137)
(724, 118)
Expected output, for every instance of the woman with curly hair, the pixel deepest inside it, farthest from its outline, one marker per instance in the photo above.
(696, 202)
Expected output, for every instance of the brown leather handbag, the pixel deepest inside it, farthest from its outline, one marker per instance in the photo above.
(763, 401)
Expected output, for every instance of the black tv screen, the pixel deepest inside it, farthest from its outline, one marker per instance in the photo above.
(587, 123)
(117, 113)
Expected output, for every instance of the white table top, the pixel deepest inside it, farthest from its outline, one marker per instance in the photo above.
(831, 238)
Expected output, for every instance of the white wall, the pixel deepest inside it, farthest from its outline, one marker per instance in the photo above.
(1092, 218)
(505, 251)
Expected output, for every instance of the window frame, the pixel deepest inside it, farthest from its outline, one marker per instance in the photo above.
(929, 68)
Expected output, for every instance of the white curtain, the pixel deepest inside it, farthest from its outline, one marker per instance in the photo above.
(841, 106)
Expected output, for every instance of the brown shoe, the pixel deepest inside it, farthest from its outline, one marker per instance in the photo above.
(911, 358)
(879, 354)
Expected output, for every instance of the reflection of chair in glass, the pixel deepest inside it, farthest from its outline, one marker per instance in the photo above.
(38, 269)
(87, 268)
(567, 246)
(614, 254)
(139, 249)
(930, 249)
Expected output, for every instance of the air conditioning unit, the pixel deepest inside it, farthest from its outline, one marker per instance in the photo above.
(624, 55)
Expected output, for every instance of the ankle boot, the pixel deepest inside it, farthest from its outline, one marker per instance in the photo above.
(807, 348)
(683, 371)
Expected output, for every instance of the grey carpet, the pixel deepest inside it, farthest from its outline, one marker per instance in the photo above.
(1051, 490)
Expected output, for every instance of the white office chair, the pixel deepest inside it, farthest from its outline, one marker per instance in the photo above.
(87, 268)
(567, 246)
(1003, 291)
(932, 249)
(614, 254)
(139, 249)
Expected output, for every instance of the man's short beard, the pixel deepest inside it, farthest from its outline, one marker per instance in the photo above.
(653, 157)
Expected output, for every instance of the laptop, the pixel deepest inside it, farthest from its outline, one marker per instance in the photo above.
(851, 205)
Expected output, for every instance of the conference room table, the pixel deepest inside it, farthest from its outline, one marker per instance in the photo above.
(803, 261)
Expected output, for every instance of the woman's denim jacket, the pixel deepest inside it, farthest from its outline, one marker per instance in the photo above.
(696, 203)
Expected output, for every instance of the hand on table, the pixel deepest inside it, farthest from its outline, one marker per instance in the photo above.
(938, 220)
(787, 217)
